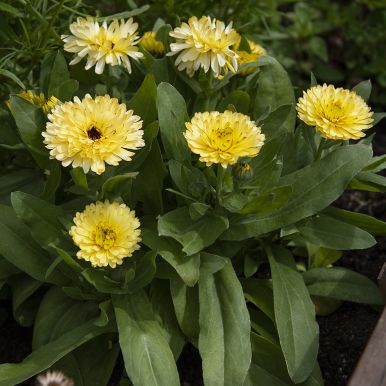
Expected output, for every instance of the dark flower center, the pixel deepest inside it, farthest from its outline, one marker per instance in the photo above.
(93, 133)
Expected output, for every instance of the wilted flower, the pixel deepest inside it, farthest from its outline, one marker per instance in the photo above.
(336, 113)
(106, 233)
(38, 100)
(223, 137)
(204, 43)
(91, 132)
(112, 44)
(249, 57)
(53, 378)
(150, 43)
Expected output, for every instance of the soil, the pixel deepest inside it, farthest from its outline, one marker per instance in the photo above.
(343, 334)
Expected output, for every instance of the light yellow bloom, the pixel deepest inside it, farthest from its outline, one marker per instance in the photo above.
(249, 57)
(150, 43)
(106, 233)
(223, 137)
(204, 43)
(336, 113)
(53, 378)
(37, 100)
(112, 44)
(91, 132)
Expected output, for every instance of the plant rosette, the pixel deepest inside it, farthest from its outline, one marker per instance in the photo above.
(137, 218)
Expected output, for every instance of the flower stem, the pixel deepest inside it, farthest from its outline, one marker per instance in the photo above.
(219, 183)
(319, 152)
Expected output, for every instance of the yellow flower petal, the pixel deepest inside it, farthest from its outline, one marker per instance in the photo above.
(204, 43)
(223, 138)
(103, 44)
(151, 44)
(336, 113)
(91, 132)
(37, 100)
(106, 233)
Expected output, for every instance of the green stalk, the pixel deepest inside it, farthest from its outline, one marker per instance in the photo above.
(322, 143)
(219, 184)
(51, 24)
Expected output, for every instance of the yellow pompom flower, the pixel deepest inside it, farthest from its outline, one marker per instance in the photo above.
(106, 233)
(222, 138)
(38, 100)
(91, 132)
(336, 113)
(112, 44)
(150, 43)
(249, 57)
(204, 43)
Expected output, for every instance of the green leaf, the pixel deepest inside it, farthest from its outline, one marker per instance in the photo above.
(92, 363)
(172, 115)
(237, 98)
(54, 177)
(343, 284)
(263, 325)
(4, 7)
(40, 216)
(224, 342)
(47, 355)
(58, 314)
(163, 307)
(189, 180)
(313, 189)
(378, 117)
(30, 122)
(268, 202)
(259, 293)
(60, 84)
(363, 221)
(117, 185)
(294, 315)
(363, 89)
(103, 283)
(148, 185)
(274, 89)
(24, 304)
(186, 307)
(20, 249)
(278, 122)
(335, 234)
(187, 267)
(146, 353)
(125, 14)
(193, 235)
(22, 179)
(324, 257)
(9, 74)
(144, 101)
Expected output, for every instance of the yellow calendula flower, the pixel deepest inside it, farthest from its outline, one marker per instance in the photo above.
(106, 233)
(112, 44)
(150, 43)
(91, 132)
(222, 138)
(38, 100)
(249, 57)
(204, 43)
(336, 113)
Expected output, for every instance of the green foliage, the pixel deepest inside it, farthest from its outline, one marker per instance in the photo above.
(205, 230)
